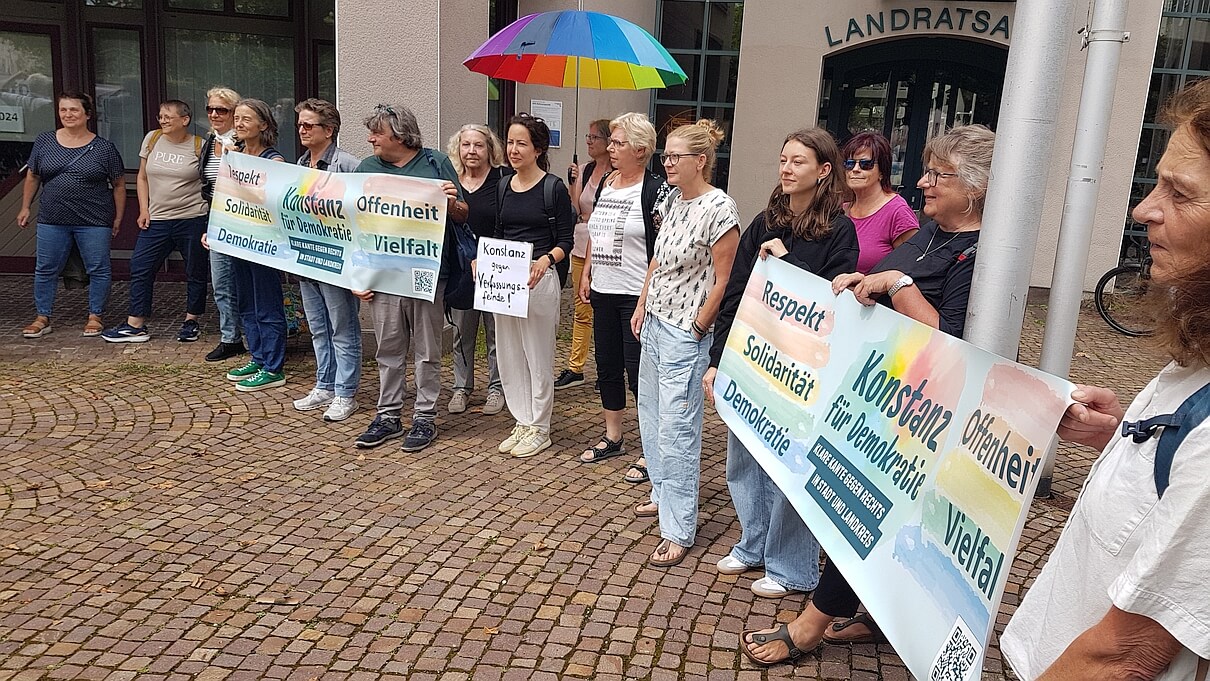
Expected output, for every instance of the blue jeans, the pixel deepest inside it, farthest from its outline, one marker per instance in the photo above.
(54, 246)
(670, 422)
(258, 291)
(335, 334)
(772, 532)
(153, 247)
(223, 283)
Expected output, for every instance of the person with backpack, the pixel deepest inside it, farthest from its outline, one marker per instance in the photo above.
(83, 198)
(331, 310)
(621, 242)
(172, 216)
(1123, 593)
(402, 323)
(478, 156)
(534, 207)
(585, 182)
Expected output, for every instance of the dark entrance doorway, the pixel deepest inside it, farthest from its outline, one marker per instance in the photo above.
(910, 90)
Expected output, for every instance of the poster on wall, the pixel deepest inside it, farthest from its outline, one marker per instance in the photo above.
(550, 111)
(360, 231)
(912, 455)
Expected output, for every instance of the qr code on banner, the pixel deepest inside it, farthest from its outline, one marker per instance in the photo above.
(958, 658)
(424, 281)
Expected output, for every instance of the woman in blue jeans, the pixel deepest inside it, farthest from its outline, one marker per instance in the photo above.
(804, 225)
(681, 296)
(83, 198)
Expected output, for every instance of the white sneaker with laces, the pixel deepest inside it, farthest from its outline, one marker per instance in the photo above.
(730, 565)
(767, 588)
(458, 401)
(535, 441)
(316, 399)
(340, 409)
(518, 434)
(494, 403)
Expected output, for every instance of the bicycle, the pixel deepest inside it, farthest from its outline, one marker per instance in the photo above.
(1121, 292)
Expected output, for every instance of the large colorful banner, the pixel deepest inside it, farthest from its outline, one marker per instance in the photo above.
(912, 455)
(360, 231)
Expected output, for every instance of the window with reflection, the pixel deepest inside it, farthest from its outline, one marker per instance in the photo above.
(703, 36)
(118, 90)
(27, 91)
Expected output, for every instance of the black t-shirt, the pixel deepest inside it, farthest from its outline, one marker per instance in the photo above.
(523, 218)
(482, 204)
(828, 257)
(941, 265)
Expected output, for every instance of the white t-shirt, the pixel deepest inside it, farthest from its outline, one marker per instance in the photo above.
(619, 241)
(682, 281)
(1123, 546)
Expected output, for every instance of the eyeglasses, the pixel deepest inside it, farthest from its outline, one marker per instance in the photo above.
(865, 163)
(673, 159)
(616, 143)
(931, 176)
(590, 137)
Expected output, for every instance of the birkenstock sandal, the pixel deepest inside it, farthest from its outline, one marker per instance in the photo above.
(875, 635)
(793, 652)
(664, 547)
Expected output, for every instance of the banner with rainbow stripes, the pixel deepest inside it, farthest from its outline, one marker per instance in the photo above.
(912, 455)
(360, 231)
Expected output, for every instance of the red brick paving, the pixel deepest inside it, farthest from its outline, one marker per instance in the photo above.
(156, 524)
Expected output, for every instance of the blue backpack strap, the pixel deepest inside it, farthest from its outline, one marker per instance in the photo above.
(1192, 412)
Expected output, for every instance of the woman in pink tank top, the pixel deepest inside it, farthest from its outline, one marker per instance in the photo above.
(883, 219)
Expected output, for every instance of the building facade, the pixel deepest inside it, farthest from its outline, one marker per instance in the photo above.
(907, 68)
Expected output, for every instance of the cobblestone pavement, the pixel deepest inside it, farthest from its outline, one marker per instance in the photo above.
(156, 524)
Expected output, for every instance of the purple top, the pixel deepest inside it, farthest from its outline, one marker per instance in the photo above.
(876, 233)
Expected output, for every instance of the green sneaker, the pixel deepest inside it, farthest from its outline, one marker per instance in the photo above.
(247, 371)
(261, 380)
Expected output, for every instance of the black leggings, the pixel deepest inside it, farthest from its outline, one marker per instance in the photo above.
(616, 348)
(834, 597)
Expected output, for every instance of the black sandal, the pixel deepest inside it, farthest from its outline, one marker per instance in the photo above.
(607, 451)
(793, 652)
(875, 635)
(640, 478)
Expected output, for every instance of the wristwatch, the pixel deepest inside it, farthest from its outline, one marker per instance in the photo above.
(553, 262)
(901, 282)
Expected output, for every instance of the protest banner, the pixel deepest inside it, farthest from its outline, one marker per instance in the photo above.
(502, 277)
(360, 231)
(912, 455)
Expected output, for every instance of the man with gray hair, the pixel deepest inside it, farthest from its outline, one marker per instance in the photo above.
(400, 322)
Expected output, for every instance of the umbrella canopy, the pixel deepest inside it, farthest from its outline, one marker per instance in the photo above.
(545, 48)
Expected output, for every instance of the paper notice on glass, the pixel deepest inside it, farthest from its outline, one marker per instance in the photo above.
(502, 277)
(550, 111)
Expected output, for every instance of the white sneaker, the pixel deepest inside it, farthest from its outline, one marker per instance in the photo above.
(316, 399)
(494, 403)
(535, 441)
(458, 401)
(519, 433)
(730, 565)
(340, 409)
(767, 588)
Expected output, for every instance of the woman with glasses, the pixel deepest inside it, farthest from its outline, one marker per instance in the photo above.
(584, 185)
(621, 243)
(804, 225)
(883, 219)
(675, 313)
(929, 280)
(526, 346)
(220, 112)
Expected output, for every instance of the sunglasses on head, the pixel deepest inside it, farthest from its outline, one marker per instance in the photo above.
(865, 163)
(220, 110)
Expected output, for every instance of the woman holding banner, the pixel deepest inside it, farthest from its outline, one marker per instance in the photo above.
(928, 278)
(220, 112)
(1123, 594)
(804, 225)
(527, 345)
(675, 313)
(258, 291)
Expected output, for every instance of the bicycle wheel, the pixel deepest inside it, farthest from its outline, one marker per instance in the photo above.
(1119, 300)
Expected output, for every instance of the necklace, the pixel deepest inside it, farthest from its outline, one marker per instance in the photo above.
(939, 246)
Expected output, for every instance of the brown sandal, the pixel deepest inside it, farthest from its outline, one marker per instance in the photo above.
(37, 328)
(665, 548)
(93, 327)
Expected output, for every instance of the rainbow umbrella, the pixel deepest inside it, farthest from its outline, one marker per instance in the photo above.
(546, 49)
(574, 48)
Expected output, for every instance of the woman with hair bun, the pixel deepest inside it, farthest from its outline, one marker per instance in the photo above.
(676, 310)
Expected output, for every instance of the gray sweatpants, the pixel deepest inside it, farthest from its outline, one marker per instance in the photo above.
(400, 324)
